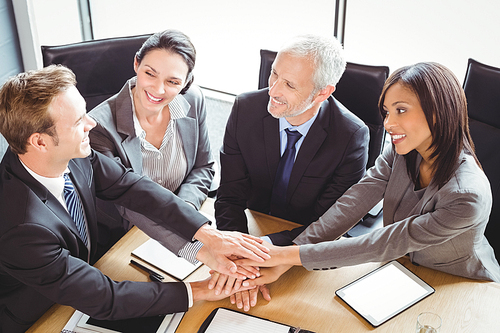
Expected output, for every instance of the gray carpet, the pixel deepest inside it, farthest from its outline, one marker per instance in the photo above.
(217, 113)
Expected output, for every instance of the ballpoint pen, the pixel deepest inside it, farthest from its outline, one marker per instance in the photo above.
(152, 274)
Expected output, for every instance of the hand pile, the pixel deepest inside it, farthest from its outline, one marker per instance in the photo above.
(241, 265)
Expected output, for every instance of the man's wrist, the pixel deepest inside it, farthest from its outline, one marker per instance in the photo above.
(189, 294)
(204, 233)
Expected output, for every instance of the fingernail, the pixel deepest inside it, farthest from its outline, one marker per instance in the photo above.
(217, 292)
(245, 284)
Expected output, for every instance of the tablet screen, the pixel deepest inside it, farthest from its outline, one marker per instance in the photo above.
(385, 292)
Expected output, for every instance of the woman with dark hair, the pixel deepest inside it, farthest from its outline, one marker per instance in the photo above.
(156, 125)
(437, 200)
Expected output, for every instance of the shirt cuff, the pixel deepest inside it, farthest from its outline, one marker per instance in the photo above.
(190, 251)
(190, 294)
(267, 239)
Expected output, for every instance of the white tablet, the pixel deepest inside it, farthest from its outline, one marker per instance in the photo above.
(385, 292)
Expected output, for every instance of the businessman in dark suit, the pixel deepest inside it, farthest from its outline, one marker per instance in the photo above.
(47, 239)
(330, 155)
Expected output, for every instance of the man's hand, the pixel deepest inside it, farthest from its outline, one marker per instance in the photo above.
(223, 282)
(221, 247)
(248, 298)
(202, 293)
(244, 299)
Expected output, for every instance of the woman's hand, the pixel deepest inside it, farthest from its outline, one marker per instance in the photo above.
(267, 275)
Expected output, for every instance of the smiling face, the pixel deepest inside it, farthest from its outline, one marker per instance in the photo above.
(161, 75)
(72, 126)
(405, 121)
(291, 88)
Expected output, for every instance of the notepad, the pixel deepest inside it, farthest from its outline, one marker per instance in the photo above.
(385, 292)
(159, 256)
(223, 320)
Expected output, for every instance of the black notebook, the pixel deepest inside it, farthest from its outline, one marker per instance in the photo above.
(223, 320)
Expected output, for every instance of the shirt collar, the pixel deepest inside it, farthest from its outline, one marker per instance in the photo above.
(54, 185)
(302, 129)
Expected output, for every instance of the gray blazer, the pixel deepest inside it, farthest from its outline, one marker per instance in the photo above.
(114, 136)
(445, 230)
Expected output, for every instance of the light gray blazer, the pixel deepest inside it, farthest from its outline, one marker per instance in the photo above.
(115, 137)
(445, 230)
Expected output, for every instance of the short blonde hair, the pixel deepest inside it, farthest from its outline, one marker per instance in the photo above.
(24, 103)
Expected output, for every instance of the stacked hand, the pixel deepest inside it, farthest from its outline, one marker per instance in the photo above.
(281, 260)
(221, 248)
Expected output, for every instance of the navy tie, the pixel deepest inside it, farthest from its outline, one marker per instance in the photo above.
(75, 208)
(283, 172)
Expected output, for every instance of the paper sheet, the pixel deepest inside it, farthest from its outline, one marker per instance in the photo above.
(159, 256)
(226, 321)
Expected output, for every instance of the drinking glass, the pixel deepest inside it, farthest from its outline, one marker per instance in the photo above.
(428, 322)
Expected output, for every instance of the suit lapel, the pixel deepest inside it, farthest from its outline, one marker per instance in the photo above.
(186, 127)
(310, 146)
(271, 144)
(399, 182)
(125, 126)
(44, 195)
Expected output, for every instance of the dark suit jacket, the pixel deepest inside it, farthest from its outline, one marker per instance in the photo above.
(332, 157)
(43, 260)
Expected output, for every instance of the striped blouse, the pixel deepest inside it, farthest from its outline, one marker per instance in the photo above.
(166, 166)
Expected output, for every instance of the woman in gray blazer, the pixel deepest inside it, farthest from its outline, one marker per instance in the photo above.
(437, 199)
(156, 125)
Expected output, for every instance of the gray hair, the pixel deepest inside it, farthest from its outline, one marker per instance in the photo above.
(326, 53)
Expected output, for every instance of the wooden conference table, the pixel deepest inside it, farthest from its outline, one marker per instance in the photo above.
(307, 299)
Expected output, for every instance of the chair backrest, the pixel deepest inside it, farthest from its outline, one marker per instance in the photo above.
(358, 90)
(101, 66)
(482, 88)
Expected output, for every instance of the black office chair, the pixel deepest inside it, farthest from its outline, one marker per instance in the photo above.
(358, 90)
(101, 66)
(482, 87)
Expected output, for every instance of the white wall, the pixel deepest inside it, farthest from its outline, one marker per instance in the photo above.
(227, 34)
(45, 22)
(402, 32)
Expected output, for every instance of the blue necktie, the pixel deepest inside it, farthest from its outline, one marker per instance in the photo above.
(75, 208)
(283, 172)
